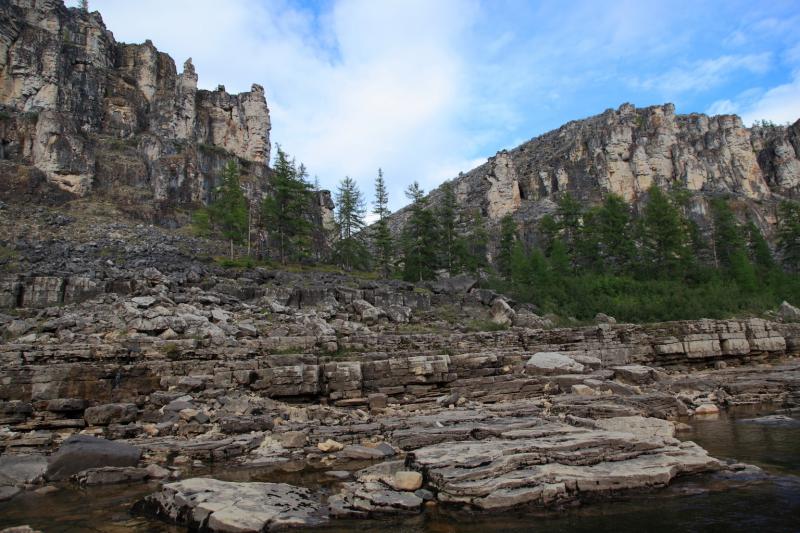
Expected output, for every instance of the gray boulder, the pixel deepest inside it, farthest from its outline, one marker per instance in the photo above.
(112, 413)
(789, 312)
(544, 363)
(82, 452)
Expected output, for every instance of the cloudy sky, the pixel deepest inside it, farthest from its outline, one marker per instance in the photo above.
(428, 88)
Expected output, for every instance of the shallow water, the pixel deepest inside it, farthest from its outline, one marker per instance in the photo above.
(698, 504)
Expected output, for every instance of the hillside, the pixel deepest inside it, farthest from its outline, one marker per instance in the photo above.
(626, 151)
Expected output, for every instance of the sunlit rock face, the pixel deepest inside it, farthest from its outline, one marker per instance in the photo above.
(96, 115)
(628, 150)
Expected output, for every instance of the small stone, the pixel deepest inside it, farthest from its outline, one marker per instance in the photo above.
(407, 480)
(157, 472)
(143, 301)
(706, 409)
(330, 445)
(293, 439)
(339, 474)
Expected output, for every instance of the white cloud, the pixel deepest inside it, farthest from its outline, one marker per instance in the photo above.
(722, 107)
(705, 74)
(780, 104)
(361, 85)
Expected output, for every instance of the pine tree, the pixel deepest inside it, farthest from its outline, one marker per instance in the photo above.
(664, 237)
(508, 236)
(547, 229)
(789, 234)
(229, 210)
(759, 248)
(729, 239)
(350, 250)
(614, 228)
(447, 219)
(471, 248)
(570, 214)
(382, 237)
(84, 5)
(419, 239)
(285, 213)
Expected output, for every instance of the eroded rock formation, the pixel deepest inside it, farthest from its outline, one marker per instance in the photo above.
(626, 151)
(85, 113)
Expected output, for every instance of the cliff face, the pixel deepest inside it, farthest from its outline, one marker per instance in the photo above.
(83, 113)
(625, 151)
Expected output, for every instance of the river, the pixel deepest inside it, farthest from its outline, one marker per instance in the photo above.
(701, 503)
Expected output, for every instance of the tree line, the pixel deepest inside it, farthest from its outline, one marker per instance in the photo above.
(656, 264)
(650, 263)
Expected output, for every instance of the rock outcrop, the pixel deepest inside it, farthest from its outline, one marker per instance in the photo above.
(626, 151)
(82, 112)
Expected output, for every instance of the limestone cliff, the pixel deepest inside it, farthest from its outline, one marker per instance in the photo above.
(627, 150)
(81, 112)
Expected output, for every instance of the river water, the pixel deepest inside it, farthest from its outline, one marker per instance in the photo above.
(701, 503)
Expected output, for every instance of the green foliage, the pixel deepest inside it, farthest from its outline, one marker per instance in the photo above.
(652, 274)
(789, 234)
(508, 236)
(286, 212)
(664, 237)
(382, 237)
(447, 219)
(420, 239)
(226, 216)
(471, 247)
(350, 249)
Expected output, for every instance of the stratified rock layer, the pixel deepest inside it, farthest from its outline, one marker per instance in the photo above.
(220, 506)
(91, 114)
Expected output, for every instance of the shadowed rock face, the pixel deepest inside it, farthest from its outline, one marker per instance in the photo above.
(626, 151)
(92, 114)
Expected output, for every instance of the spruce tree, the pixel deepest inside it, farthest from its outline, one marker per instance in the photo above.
(285, 213)
(789, 234)
(508, 236)
(614, 228)
(447, 219)
(570, 214)
(350, 249)
(729, 239)
(229, 210)
(471, 248)
(664, 237)
(420, 239)
(759, 248)
(382, 237)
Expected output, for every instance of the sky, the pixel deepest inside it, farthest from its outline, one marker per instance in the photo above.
(426, 88)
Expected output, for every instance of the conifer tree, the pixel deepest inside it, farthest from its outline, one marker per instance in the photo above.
(759, 248)
(614, 229)
(664, 237)
(419, 239)
(471, 248)
(285, 212)
(729, 239)
(350, 249)
(789, 234)
(229, 210)
(508, 236)
(382, 237)
(570, 213)
(447, 219)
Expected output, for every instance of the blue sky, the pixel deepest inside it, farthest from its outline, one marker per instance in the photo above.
(428, 88)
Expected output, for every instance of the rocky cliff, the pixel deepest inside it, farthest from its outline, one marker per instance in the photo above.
(81, 113)
(626, 151)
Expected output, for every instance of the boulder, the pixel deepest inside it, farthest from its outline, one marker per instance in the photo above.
(547, 363)
(293, 439)
(21, 470)
(330, 445)
(706, 409)
(110, 475)
(602, 318)
(223, 506)
(407, 480)
(788, 312)
(502, 313)
(82, 452)
(111, 413)
(635, 374)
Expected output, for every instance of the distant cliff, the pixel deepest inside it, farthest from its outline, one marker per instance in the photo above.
(625, 151)
(82, 113)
